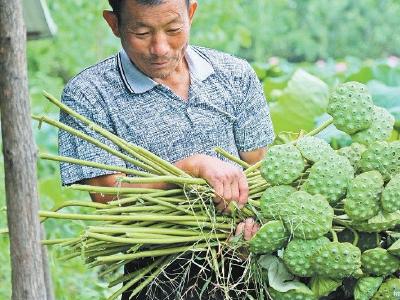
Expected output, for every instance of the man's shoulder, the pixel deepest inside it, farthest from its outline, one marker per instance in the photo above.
(99, 75)
(223, 62)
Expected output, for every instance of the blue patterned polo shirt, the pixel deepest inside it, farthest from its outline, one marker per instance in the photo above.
(226, 108)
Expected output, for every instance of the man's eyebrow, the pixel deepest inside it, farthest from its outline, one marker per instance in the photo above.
(142, 24)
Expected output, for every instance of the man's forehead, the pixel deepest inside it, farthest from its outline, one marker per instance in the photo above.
(163, 14)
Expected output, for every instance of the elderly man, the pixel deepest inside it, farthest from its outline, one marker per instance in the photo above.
(177, 100)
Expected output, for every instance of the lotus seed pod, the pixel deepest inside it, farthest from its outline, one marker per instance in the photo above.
(336, 260)
(383, 157)
(271, 237)
(389, 290)
(351, 107)
(379, 262)
(298, 253)
(272, 199)
(382, 221)
(313, 148)
(306, 216)
(282, 165)
(353, 153)
(390, 199)
(330, 178)
(366, 287)
(363, 196)
(380, 129)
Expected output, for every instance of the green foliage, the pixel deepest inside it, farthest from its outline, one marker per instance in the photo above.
(299, 30)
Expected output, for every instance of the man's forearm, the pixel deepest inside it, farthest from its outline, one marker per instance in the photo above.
(111, 181)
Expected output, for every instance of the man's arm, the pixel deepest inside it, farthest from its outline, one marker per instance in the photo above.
(111, 181)
(252, 157)
(227, 180)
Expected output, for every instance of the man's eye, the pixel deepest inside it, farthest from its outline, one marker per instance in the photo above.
(141, 33)
(172, 30)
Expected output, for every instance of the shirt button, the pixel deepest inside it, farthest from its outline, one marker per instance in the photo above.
(189, 110)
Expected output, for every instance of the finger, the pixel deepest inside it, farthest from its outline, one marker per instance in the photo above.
(256, 227)
(227, 195)
(243, 190)
(235, 190)
(222, 206)
(248, 228)
(239, 228)
(218, 191)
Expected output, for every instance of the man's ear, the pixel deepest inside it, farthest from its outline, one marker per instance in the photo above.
(112, 21)
(192, 9)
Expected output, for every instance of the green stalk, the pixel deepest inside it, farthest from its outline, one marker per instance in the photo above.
(156, 253)
(165, 164)
(334, 235)
(76, 203)
(232, 157)
(128, 209)
(137, 276)
(131, 217)
(166, 204)
(144, 230)
(94, 142)
(253, 168)
(169, 179)
(147, 281)
(93, 164)
(158, 193)
(111, 190)
(111, 269)
(138, 151)
(320, 128)
(57, 241)
(205, 224)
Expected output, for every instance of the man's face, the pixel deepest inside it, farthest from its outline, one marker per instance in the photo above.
(155, 37)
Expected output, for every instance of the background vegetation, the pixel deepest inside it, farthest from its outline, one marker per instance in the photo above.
(299, 49)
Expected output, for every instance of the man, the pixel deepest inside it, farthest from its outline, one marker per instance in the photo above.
(176, 100)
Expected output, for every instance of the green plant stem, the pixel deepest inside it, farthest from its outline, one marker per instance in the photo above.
(253, 168)
(345, 224)
(165, 164)
(144, 230)
(76, 203)
(320, 128)
(136, 276)
(111, 190)
(93, 164)
(334, 235)
(231, 157)
(169, 179)
(158, 193)
(166, 204)
(110, 136)
(56, 241)
(131, 217)
(155, 253)
(92, 140)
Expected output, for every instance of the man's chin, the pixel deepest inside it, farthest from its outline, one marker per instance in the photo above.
(160, 74)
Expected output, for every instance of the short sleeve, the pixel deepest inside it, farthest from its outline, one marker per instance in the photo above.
(253, 127)
(75, 147)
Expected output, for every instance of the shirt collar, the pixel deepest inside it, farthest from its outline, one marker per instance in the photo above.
(138, 83)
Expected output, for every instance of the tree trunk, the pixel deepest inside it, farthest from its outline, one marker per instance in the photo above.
(19, 157)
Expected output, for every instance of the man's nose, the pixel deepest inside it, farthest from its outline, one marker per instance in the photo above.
(159, 45)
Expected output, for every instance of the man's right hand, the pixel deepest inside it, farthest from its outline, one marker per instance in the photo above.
(227, 180)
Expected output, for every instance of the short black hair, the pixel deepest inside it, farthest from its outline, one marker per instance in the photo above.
(116, 4)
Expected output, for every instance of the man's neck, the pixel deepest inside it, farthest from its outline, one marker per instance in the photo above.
(178, 81)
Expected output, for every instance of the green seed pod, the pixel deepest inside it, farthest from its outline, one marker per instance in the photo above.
(282, 165)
